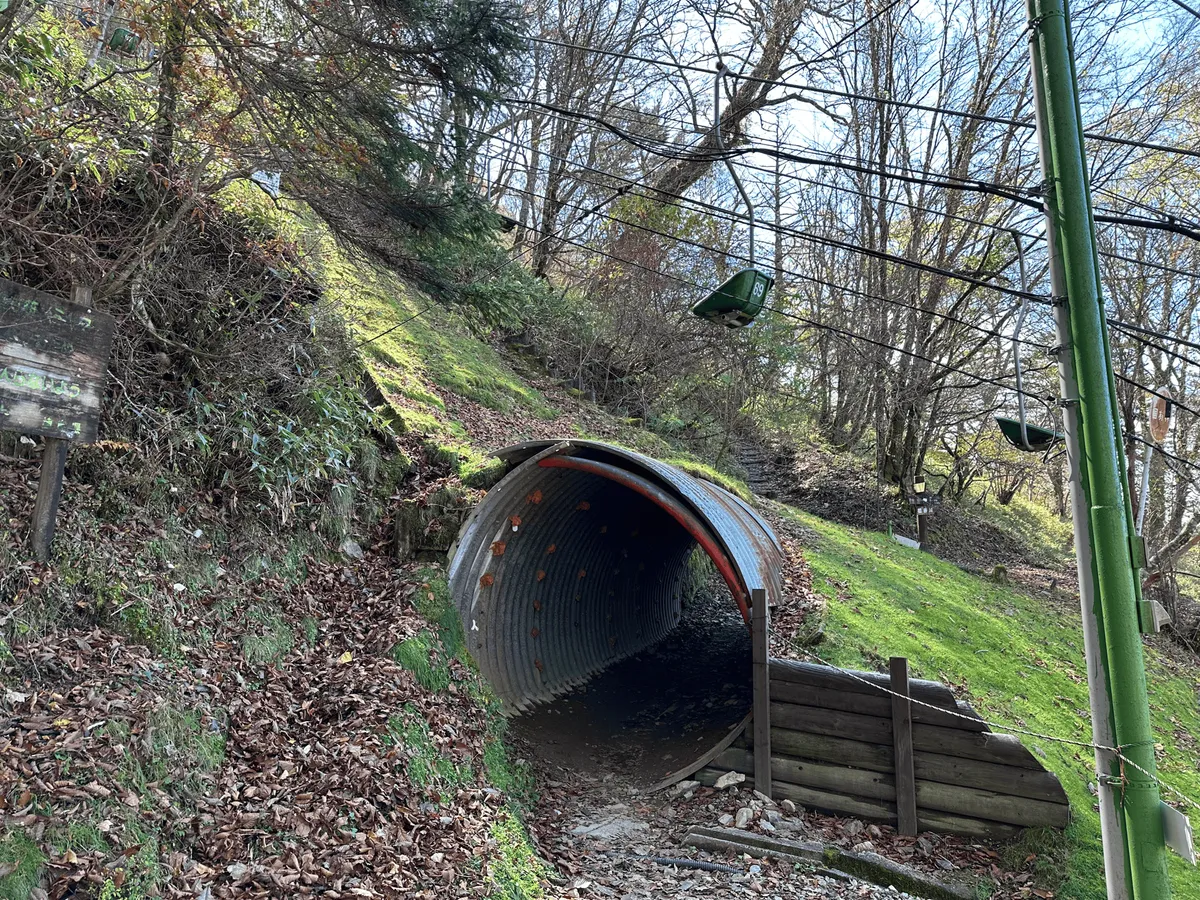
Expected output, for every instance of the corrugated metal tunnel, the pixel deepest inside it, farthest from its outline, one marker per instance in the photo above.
(576, 559)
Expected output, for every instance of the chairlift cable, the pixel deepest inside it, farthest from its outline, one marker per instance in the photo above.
(974, 378)
(1171, 223)
(794, 274)
(732, 216)
(654, 194)
(883, 101)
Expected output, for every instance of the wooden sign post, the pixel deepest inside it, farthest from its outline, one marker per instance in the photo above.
(53, 360)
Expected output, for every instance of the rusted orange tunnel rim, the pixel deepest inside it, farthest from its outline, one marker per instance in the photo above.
(577, 558)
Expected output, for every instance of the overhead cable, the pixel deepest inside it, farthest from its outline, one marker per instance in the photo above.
(884, 101)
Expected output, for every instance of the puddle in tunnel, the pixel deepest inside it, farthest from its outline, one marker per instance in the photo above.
(646, 716)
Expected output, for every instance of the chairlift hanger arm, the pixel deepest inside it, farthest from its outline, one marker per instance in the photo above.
(723, 70)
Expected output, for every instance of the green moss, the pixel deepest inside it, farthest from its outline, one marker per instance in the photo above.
(422, 655)
(434, 602)
(885, 875)
(513, 777)
(429, 348)
(429, 769)
(516, 871)
(1019, 657)
(181, 749)
(708, 473)
(17, 849)
(268, 639)
(150, 623)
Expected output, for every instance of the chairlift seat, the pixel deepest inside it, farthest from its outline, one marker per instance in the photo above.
(124, 41)
(736, 302)
(1040, 439)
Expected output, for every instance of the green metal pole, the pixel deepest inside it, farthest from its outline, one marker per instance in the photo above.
(1112, 830)
(1103, 462)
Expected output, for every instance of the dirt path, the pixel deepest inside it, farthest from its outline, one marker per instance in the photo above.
(609, 840)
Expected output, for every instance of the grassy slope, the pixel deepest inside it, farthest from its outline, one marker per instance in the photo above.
(431, 350)
(1020, 658)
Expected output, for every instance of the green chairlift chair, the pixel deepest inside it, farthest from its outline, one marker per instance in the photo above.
(736, 302)
(1018, 432)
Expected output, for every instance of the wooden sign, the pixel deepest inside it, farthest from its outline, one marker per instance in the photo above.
(1160, 417)
(53, 360)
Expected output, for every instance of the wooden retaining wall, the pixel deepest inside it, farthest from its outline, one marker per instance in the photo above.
(849, 745)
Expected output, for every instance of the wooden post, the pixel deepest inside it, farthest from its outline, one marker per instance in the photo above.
(761, 655)
(54, 462)
(45, 510)
(902, 742)
(921, 516)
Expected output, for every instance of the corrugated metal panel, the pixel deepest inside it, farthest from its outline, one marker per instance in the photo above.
(559, 573)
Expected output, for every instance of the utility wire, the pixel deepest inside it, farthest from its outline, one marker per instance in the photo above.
(810, 278)
(1140, 329)
(849, 95)
(1002, 726)
(1168, 223)
(730, 215)
(1146, 342)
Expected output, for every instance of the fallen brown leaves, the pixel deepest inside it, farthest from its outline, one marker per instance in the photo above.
(314, 793)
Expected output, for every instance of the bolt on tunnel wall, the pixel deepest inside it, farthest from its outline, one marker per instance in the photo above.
(579, 559)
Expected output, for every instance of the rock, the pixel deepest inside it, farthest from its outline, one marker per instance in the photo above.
(863, 847)
(852, 827)
(772, 816)
(351, 549)
(765, 825)
(788, 807)
(943, 863)
(743, 817)
(237, 871)
(873, 831)
(609, 829)
(726, 820)
(728, 780)
(685, 788)
(764, 799)
(924, 845)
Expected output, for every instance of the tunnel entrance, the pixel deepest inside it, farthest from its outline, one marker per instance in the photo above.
(577, 582)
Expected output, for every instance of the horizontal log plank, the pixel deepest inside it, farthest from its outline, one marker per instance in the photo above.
(1036, 784)
(866, 704)
(832, 722)
(860, 683)
(984, 746)
(823, 748)
(931, 795)
(878, 810)
(859, 782)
